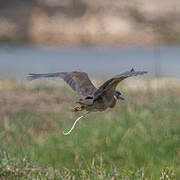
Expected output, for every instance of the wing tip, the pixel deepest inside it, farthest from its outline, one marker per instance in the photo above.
(31, 76)
(142, 72)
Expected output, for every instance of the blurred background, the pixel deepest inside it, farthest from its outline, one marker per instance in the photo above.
(66, 35)
(139, 139)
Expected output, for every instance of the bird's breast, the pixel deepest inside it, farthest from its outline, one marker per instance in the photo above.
(109, 101)
(104, 102)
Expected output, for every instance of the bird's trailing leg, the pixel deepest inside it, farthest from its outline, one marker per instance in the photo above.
(67, 133)
(78, 108)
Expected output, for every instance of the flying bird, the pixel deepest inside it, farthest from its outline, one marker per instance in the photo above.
(95, 99)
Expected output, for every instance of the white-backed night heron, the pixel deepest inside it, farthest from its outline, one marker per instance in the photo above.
(95, 99)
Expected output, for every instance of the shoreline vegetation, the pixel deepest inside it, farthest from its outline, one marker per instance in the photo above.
(79, 22)
(137, 140)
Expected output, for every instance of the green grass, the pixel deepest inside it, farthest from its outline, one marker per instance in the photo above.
(137, 140)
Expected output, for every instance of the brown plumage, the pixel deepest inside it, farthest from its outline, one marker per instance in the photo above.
(78, 81)
(95, 99)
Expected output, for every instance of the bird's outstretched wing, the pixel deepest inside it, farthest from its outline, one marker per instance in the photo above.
(79, 81)
(110, 85)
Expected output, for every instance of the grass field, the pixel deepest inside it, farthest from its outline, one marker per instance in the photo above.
(137, 140)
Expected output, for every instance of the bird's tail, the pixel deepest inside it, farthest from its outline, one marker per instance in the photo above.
(33, 76)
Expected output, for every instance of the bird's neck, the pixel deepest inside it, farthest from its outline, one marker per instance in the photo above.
(113, 102)
(115, 98)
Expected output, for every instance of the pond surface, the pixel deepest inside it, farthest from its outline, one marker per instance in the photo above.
(17, 61)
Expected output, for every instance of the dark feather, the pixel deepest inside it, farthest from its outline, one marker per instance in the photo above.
(33, 76)
(79, 81)
(110, 85)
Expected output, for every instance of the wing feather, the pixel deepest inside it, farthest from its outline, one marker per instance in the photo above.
(78, 81)
(111, 84)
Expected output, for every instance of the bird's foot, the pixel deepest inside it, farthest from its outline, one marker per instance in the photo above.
(78, 108)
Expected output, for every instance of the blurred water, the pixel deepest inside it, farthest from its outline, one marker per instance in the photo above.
(17, 61)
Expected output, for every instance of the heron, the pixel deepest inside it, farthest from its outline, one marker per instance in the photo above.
(94, 99)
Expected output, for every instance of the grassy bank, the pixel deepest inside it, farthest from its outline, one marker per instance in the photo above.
(138, 139)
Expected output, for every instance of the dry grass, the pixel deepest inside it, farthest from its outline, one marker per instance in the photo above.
(139, 139)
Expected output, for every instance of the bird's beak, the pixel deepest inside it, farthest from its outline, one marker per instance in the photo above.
(121, 98)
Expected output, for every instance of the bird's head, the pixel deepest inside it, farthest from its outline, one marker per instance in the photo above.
(117, 94)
